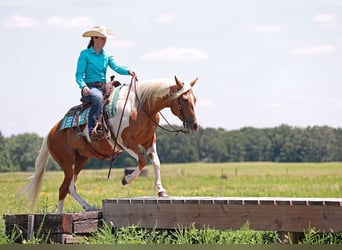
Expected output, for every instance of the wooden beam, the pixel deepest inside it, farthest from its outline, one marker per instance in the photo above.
(61, 228)
(269, 214)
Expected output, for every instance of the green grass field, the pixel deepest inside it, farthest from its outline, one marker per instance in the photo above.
(259, 179)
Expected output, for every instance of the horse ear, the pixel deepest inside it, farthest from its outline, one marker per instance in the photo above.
(179, 83)
(192, 83)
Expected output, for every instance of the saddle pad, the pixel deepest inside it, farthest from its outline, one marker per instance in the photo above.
(110, 107)
(70, 121)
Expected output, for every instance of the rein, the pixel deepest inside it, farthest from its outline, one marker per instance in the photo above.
(174, 130)
(117, 133)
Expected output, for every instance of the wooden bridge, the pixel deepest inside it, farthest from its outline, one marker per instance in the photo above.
(273, 214)
(284, 215)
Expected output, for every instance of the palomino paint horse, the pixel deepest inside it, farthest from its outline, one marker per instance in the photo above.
(139, 121)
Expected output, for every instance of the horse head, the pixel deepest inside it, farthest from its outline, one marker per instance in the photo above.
(183, 105)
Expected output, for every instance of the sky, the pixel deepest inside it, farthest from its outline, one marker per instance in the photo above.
(260, 63)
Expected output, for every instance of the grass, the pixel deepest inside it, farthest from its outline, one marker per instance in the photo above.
(192, 235)
(260, 179)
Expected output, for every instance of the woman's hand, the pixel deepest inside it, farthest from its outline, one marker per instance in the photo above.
(86, 91)
(133, 74)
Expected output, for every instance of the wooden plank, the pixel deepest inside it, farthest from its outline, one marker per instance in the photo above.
(86, 215)
(86, 222)
(87, 226)
(46, 223)
(61, 228)
(276, 214)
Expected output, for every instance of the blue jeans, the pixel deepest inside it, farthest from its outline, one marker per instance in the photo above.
(95, 98)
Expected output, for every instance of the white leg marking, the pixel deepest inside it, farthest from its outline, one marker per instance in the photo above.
(77, 197)
(152, 153)
(60, 206)
(131, 177)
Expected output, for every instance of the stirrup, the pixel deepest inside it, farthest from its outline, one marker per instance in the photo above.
(97, 132)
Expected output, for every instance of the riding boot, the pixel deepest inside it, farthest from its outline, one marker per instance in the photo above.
(96, 134)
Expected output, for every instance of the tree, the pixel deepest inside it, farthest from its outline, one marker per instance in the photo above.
(5, 158)
(24, 150)
(235, 143)
(338, 145)
(281, 144)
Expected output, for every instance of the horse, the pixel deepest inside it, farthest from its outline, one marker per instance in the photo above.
(134, 125)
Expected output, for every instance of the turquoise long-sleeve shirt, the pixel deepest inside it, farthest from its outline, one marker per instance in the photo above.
(92, 67)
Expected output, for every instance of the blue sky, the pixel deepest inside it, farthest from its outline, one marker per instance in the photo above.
(260, 63)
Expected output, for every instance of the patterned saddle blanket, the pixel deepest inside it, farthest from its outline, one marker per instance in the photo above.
(78, 115)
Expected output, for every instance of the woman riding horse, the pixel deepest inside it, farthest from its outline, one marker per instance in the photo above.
(134, 124)
(91, 73)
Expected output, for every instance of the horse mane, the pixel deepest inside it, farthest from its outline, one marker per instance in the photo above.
(149, 91)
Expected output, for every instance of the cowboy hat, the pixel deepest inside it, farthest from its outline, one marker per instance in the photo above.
(100, 31)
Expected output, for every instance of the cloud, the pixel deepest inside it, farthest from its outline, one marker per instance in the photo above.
(166, 17)
(275, 105)
(326, 21)
(334, 102)
(79, 21)
(120, 44)
(267, 29)
(314, 50)
(18, 21)
(175, 54)
(324, 18)
(298, 98)
(204, 103)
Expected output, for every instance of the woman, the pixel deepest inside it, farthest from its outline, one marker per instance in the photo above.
(91, 72)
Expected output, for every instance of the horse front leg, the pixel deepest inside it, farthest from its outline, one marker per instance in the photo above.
(153, 155)
(141, 164)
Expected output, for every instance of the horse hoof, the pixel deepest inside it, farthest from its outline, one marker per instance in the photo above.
(124, 182)
(162, 194)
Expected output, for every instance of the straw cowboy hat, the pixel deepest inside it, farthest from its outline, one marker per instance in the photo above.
(100, 31)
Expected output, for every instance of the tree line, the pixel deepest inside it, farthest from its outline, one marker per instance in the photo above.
(279, 144)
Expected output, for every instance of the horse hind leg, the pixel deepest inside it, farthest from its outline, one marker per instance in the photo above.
(77, 197)
(68, 186)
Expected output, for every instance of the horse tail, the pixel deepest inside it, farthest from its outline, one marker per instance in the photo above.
(33, 189)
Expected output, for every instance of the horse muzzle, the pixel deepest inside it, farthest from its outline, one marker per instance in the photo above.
(192, 126)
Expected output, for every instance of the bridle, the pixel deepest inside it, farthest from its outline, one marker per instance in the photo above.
(185, 129)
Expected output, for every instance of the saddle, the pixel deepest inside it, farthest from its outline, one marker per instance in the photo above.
(77, 115)
(101, 129)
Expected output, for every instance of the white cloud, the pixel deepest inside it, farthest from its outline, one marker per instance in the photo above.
(275, 105)
(120, 44)
(166, 17)
(334, 102)
(298, 98)
(314, 50)
(324, 18)
(267, 29)
(79, 21)
(204, 103)
(18, 21)
(327, 21)
(175, 54)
